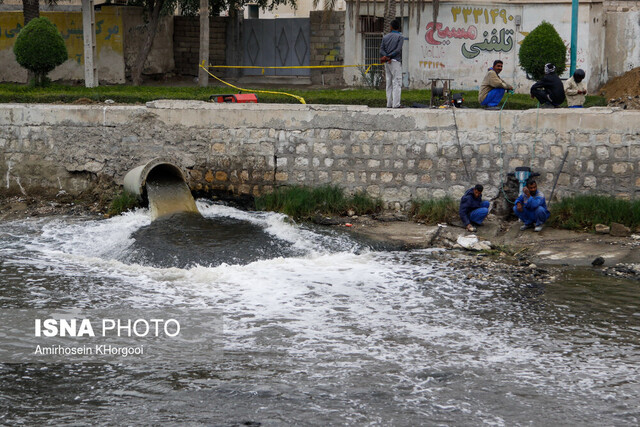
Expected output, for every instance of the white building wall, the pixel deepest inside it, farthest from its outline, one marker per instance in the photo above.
(302, 10)
(470, 36)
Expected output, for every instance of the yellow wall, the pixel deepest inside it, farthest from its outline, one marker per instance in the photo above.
(108, 30)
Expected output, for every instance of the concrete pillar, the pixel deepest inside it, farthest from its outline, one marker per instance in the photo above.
(203, 76)
(89, 36)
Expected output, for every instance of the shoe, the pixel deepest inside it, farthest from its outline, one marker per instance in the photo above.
(525, 226)
(538, 228)
(547, 105)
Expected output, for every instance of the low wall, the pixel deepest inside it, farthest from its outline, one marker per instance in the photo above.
(398, 155)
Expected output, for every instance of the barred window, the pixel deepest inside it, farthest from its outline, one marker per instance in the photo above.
(371, 44)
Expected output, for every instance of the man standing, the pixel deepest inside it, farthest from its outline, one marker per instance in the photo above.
(493, 87)
(549, 91)
(531, 207)
(575, 89)
(472, 209)
(391, 52)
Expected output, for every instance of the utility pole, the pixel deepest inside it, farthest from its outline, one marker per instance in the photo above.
(203, 76)
(89, 38)
(574, 35)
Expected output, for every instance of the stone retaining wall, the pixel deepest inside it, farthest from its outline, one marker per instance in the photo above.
(398, 155)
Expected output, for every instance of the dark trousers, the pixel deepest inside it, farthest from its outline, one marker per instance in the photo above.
(543, 96)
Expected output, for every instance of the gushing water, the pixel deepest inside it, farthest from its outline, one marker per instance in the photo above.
(168, 195)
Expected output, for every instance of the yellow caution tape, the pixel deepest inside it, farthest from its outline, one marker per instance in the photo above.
(257, 67)
(299, 98)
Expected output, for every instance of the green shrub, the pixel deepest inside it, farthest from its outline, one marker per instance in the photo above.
(542, 45)
(304, 202)
(122, 203)
(584, 212)
(435, 210)
(40, 48)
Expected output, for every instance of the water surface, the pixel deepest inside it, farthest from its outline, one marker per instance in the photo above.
(319, 329)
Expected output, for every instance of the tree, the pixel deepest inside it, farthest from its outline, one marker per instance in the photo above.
(40, 48)
(541, 46)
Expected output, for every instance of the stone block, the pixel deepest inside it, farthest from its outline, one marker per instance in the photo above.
(339, 149)
(620, 168)
(209, 176)
(386, 177)
(602, 229)
(373, 163)
(590, 181)
(619, 230)
(621, 153)
(221, 176)
(411, 178)
(615, 139)
(602, 152)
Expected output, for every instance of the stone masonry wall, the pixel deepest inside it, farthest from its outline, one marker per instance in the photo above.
(398, 155)
(186, 43)
(327, 41)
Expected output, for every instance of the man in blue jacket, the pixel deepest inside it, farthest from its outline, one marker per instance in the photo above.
(391, 57)
(531, 207)
(472, 209)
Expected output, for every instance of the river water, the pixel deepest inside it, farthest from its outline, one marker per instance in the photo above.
(319, 329)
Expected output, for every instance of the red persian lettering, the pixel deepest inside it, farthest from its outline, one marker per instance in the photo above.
(449, 33)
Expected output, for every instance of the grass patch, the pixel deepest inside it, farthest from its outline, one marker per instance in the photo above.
(304, 202)
(125, 201)
(444, 210)
(59, 93)
(585, 211)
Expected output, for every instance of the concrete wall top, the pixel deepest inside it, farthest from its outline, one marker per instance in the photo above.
(298, 117)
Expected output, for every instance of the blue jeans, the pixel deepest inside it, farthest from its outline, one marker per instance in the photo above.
(493, 97)
(478, 215)
(539, 216)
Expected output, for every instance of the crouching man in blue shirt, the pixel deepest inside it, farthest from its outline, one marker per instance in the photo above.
(472, 209)
(531, 207)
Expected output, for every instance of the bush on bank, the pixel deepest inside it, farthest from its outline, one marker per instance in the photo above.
(433, 211)
(125, 201)
(304, 202)
(58, 93)
(585, 211)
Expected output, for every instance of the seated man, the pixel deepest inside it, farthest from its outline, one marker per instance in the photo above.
(493, 87)
(531, 207)
(472, 209)
(549, 91)
(575, 89)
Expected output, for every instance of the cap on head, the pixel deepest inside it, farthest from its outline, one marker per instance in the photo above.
(549, 68)
(578, 75)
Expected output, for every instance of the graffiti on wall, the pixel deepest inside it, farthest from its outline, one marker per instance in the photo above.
(69, 24)
(479, 29)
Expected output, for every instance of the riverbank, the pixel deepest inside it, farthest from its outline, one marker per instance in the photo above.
(524, 255)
